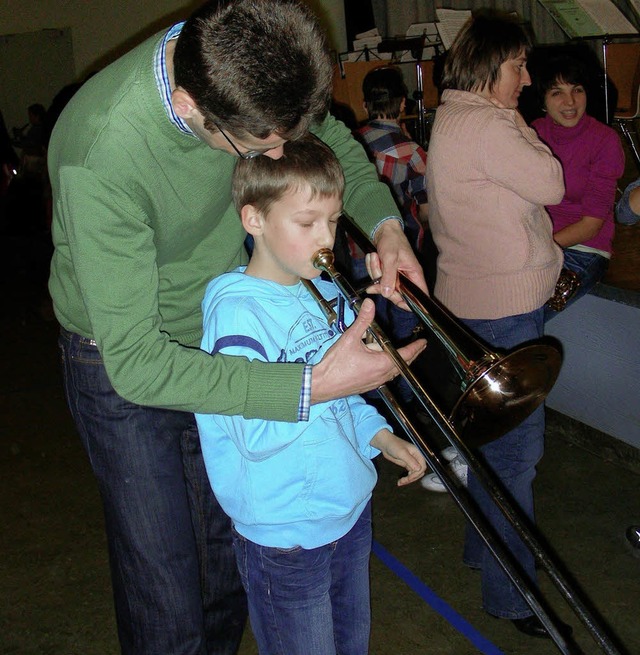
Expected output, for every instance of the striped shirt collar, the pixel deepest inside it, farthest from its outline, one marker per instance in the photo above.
(162, 78)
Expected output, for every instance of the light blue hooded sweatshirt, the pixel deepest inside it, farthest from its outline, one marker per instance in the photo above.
(284, 484)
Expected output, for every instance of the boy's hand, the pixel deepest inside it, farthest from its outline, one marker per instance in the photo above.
(402, 453)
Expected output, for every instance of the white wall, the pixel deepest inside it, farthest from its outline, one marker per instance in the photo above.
(103, 30)
(26, 79)
(598, 382)
(100, 32)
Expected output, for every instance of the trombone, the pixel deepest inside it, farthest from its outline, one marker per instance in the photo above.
(497, 392)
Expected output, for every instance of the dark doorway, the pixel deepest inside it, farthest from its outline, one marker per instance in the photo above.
(358, 17)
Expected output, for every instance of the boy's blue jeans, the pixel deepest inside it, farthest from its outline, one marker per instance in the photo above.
(175, 582)
(513, 458)
(309, 602)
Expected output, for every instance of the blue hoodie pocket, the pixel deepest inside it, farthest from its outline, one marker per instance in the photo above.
(338, 476)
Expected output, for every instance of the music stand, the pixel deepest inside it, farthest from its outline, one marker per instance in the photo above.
(606, 40)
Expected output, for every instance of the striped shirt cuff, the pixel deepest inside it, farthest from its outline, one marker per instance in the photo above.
(305, 394)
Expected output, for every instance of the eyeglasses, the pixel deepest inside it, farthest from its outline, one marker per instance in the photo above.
(250, 154)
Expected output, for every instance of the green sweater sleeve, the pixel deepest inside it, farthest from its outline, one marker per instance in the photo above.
(106, 283)
(113, 261)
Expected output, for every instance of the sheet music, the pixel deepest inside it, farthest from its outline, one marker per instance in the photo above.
(450, 21)
(369, 34)
(428, 29)
(431, 40)
(608, 16)
(371, 38)
(635, 5)
(588, 17)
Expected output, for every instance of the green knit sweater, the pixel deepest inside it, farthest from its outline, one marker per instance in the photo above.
(143, 219)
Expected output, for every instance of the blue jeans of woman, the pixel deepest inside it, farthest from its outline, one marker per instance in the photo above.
(590, 268)
(309, 601)
(513, 459)
(175, 582)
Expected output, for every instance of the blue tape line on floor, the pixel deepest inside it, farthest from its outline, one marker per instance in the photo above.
(435, 602)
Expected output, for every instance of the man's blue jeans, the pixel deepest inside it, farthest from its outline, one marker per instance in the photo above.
(513, 458)
(175, 582)
(310, 602)
(590, 268)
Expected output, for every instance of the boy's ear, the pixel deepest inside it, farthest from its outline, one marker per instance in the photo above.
(182, 103)
(252, 220)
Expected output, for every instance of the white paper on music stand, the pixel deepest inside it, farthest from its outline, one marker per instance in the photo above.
(418, 29)
(450, 21)
(581, 18)
(368, 34)
(431, 40)
(607, 16)
(635, 5)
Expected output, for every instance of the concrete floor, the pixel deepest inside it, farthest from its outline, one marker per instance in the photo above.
(55, 591)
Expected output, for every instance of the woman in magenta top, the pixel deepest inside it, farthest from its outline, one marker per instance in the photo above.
(592, 160)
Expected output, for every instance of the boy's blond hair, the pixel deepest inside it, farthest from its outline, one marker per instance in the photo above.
(307, 163)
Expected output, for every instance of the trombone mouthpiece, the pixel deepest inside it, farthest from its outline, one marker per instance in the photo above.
(323, 259)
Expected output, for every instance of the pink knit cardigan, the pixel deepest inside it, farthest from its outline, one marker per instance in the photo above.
(488, 179)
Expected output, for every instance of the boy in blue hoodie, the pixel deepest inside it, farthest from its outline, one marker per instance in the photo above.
(299, 494)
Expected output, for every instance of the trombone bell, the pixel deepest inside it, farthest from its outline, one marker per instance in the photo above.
(497, 391)
(504, 395)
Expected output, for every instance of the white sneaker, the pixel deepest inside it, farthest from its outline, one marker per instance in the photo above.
(449, 453)
(432, 482)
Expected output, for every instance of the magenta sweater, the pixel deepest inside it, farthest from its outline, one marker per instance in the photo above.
(593, 160)
(488, 179)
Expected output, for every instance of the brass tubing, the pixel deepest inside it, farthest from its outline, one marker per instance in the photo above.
(323, 260)
(477, 520)
(498, 390)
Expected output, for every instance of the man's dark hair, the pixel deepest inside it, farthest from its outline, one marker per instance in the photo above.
(307, 163)
(485, 42)
(255, 67)
(384, 90)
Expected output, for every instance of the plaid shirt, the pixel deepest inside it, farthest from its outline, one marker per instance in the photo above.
(401, 164)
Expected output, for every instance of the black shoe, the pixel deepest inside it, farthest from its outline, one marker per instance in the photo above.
(532, 626)
(632, 539)
(633, 536)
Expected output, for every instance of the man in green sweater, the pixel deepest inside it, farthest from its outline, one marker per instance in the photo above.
(140, 163)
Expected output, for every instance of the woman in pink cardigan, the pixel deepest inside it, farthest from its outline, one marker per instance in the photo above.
(489, 178)
(592, 159)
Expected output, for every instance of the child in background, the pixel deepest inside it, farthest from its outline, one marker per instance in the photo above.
(592, 161)
(298, 494)
(401, 164)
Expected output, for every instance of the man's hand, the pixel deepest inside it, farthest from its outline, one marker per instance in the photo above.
(349, 367)
(394, 255)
